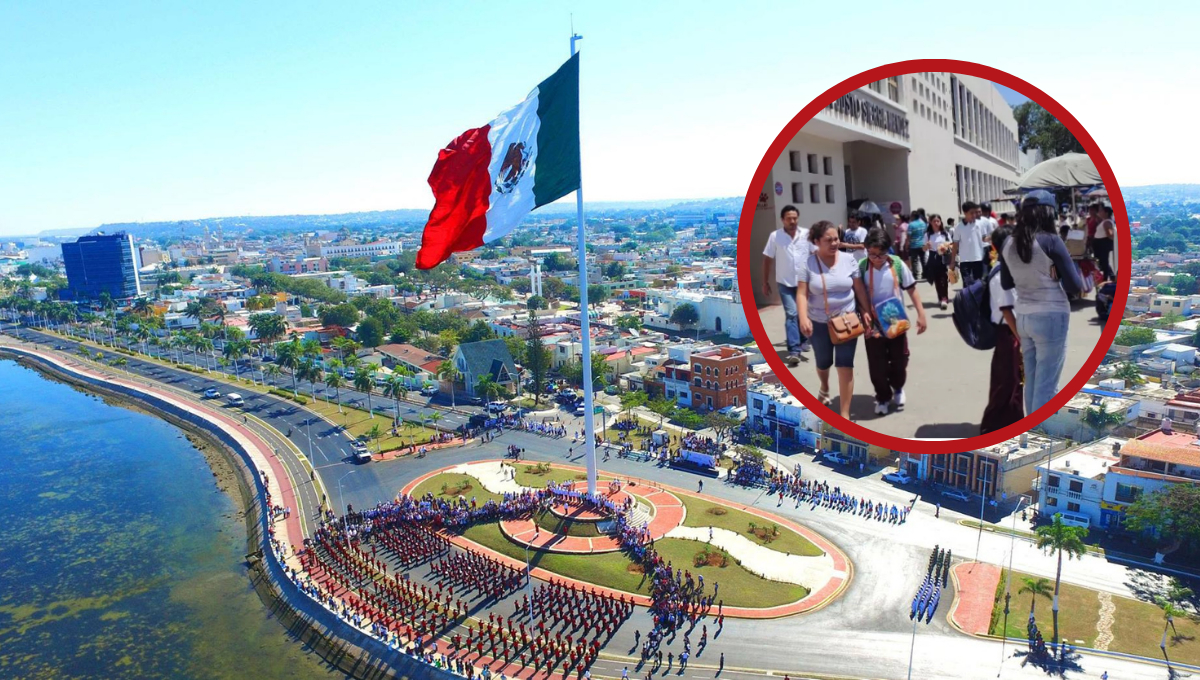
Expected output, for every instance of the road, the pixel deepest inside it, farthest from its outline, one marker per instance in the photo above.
(866, 633)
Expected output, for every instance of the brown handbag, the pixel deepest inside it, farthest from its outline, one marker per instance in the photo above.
(844, 327)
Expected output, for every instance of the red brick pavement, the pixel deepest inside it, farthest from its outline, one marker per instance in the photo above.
(975, 596)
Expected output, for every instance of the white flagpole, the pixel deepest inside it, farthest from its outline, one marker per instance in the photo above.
(589, 417)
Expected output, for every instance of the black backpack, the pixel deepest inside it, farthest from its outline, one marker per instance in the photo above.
(973, 313)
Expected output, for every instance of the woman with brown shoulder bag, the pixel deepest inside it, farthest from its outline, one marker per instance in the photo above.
(825, 295)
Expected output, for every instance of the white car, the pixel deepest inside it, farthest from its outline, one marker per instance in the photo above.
(497, 406)
(429, 390)
(836, 458)
(957, 494)
(211, 393)
(898, 476)
(361, 453)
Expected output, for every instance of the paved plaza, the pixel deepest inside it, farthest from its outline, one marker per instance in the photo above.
(947, 386)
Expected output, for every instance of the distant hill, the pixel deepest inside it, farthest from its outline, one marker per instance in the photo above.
(1163, 192)
(403, 219)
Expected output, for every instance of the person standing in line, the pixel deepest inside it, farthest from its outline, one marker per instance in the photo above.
(825, 289)
(883, 276)
(1102, 242)
(917, 228)
(988, 221)
(1006, 396)
(1036, 263)
(786, 248)
(937, 243)
(855, 236)
(968, 245)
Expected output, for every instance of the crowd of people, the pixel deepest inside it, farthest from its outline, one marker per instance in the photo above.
(479, 573)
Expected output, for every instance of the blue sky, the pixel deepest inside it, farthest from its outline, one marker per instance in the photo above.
(123, 111)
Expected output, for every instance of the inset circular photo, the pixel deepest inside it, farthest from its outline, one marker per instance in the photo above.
(938, 252)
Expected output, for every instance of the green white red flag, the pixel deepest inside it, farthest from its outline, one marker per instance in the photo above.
(489, 178)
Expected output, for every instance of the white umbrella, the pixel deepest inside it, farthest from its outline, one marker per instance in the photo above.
(1065, 171)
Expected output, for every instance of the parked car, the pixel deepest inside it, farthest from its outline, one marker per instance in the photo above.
(429, 390)
(475, 401)
(836, 458)
(612, 390)
(212, 393)
(898, 476)
(957, 495)
(497, 407)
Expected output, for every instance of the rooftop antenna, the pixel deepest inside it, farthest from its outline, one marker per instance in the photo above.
(574, 36)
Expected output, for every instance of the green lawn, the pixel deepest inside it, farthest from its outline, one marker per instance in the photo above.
(739, 587)
(527, 477)
(357, 422)
(452, 481)
(1137, 626)
(554, 524)
(700, 513)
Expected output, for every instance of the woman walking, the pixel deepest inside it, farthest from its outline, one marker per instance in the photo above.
(1035, 263)
(881, 278)
(1006, 397)
(1102, 242)
(937, 271)
(825, 291)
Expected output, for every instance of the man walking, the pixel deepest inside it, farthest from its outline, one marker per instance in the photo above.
(968, 244)
(787, 249)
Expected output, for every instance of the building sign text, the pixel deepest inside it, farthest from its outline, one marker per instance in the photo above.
(871, 114)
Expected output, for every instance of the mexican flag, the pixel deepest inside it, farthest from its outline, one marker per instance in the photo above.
(489, 178)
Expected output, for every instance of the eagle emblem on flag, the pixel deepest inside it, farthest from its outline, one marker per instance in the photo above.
(516, 162)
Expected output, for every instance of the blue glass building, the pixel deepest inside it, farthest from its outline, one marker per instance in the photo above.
(101, 263)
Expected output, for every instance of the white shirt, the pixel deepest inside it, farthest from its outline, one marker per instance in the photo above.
(787, 255)
(1000, 298)
(881, 283)
(936, 239)
(857, 235)
(969, 237)
(990, 225)
(839, 278)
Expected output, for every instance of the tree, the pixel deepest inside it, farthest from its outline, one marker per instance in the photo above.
(234, 350)
(343, 315)
(1128, 371)
(721, 424)
(537, 357)
(596, 294)
(1035, 587)
(1039, 129)
(1172, 513)
(629, 322)
(663, 407)
(335, 380)
(536, 302)
(393, 386)
(1184, 284)
(374, 435)
(267, 327)
(447, 371)
(614, 270)
(489, 388)
(311, 371)
(364, 381)
(1060, 538)
(288, 355)
(633, 399)
(270, 371)
(1132, 337)
(1164, 289)
(370, 332)
(142, 307)
(1099, 419)
(685, 316)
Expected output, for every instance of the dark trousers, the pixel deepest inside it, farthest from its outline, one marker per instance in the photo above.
(887, 361)
(1102, 248)
(942, 285)
(971, 272)
(916, 260)
(1006, 397)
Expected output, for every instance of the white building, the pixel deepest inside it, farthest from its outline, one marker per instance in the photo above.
(1073, 482)
(922, 140)
(1069, 421)
(773, 410)
(377, 249)
(720, 312)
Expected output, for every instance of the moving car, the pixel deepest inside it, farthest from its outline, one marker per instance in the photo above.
(475, 401)
(234, 399)
(211, 393)
(898, 476)
(361, 453)
(957, 495)
(580, 410)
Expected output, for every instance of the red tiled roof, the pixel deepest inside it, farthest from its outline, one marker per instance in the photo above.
(1167, 449)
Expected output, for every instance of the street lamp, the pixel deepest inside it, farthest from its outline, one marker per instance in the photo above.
(340, 499)
(308, 424)
(1012, 547)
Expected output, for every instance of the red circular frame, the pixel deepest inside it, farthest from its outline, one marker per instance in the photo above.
(745, 226)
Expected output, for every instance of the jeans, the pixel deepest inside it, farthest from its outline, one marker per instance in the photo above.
(916, 261)
(971, 272)
(1043, 348)
(828, 354)
(791, 318)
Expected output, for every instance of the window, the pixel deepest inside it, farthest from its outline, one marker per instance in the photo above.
(797, 192)
(698, 382)
(794, 161)
(827, 161)
(1075, 485)
(829, 198)
(1128, 493)
(1051, 500)
(894, 89)
(758, 404)
(1072, 507)
(812, 163)
(697, 368)
(814, 193)
(1053, 481)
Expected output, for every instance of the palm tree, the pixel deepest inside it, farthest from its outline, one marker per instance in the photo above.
(394, 387)
(434, 418)
(205, 345)
(142, 307)
(1170, 612)
(270, 370)
(311, 371)
(488, 387)
(364, 381)
(267, 327)
(1035, 587)
(335, 380)
(447, 371)
(288, 356)
(1061, 538)
(1099, 418)
(236, 349)
(374, 435)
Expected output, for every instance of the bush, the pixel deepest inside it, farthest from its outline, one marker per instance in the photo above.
(288, 395)
(997, 604)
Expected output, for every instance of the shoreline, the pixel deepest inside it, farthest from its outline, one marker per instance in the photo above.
(336, 653)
